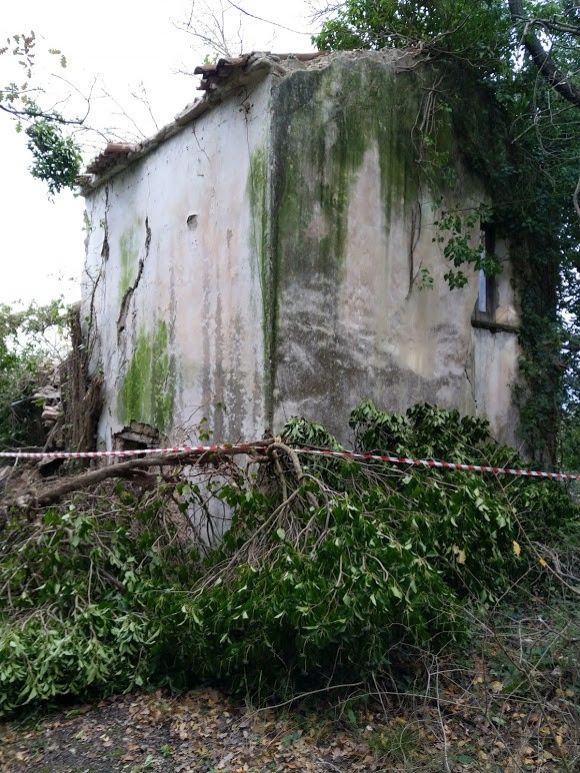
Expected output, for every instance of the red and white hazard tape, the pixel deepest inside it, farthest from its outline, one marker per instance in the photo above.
(225, 448)
(244, 448)
(433, 463)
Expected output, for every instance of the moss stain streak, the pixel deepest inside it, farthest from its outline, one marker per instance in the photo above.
(148, 389)
(258, 182)
(129, 243)
(325, 122)
(258, 189)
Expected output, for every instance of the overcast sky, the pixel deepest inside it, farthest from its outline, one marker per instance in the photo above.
(113, 47)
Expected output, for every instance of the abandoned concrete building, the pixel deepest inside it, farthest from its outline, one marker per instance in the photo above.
(270, 253)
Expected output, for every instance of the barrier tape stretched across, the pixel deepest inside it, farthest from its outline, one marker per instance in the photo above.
(244, 448)
(433, 463)
(225, 448)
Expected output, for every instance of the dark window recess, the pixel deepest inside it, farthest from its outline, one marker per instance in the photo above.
(487, 297)
(135, 437)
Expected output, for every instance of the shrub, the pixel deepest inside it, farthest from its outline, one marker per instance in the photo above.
(27, 356)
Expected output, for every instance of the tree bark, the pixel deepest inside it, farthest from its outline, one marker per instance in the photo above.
(56, 491)
(543, 60)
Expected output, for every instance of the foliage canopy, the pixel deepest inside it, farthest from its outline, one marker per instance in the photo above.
(28, 345)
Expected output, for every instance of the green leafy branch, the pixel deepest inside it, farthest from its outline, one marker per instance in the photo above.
(331, 569)
(460, 235)
(56, 155)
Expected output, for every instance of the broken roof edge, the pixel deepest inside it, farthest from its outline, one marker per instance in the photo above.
(118, 156)
(212, 75)
(217, 85)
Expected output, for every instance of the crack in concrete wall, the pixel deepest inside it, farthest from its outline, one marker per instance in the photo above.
(127, 296)
(105, 250)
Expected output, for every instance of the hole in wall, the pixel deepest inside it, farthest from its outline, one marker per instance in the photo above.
(135, 437)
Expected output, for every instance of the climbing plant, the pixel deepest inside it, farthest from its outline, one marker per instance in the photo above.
(456, 233)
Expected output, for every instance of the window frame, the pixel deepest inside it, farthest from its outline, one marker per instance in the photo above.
(487, 296)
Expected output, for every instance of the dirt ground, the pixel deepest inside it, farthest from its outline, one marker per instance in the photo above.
(202, 731)
(205, 732)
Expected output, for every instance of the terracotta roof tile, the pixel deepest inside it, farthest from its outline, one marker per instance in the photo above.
(111, 155)
(213, 74)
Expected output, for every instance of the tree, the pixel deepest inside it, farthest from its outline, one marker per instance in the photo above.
(483, 33)
(56, 154)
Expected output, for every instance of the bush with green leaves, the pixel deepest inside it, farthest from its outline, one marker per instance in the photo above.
(330, 569)
(79, 592)
(32, 339)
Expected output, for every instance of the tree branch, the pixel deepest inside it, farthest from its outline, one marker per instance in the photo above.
(67, 485)
(575, 197)
(21, 113)
(266, 21)
(555, 26)
(542, 59)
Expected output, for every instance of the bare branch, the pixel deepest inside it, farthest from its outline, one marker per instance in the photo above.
(575, 197)
(30, 113)
(143, 97)
(266, 21)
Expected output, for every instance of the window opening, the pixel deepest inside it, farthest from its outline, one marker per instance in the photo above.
(486, 304)
(482, 297)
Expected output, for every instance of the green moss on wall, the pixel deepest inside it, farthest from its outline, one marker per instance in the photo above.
(148, 388)
(325, 121)
(258, 192)
(128, 257)
(258, 182)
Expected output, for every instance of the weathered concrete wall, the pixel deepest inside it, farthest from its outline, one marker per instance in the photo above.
(267, 260)
(493, 366)
(352, 225)
(174, 285)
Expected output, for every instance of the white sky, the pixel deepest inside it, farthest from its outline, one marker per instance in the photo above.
(121, 44)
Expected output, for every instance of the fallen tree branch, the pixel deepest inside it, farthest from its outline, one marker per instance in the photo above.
(53, 493)
(279, 446)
